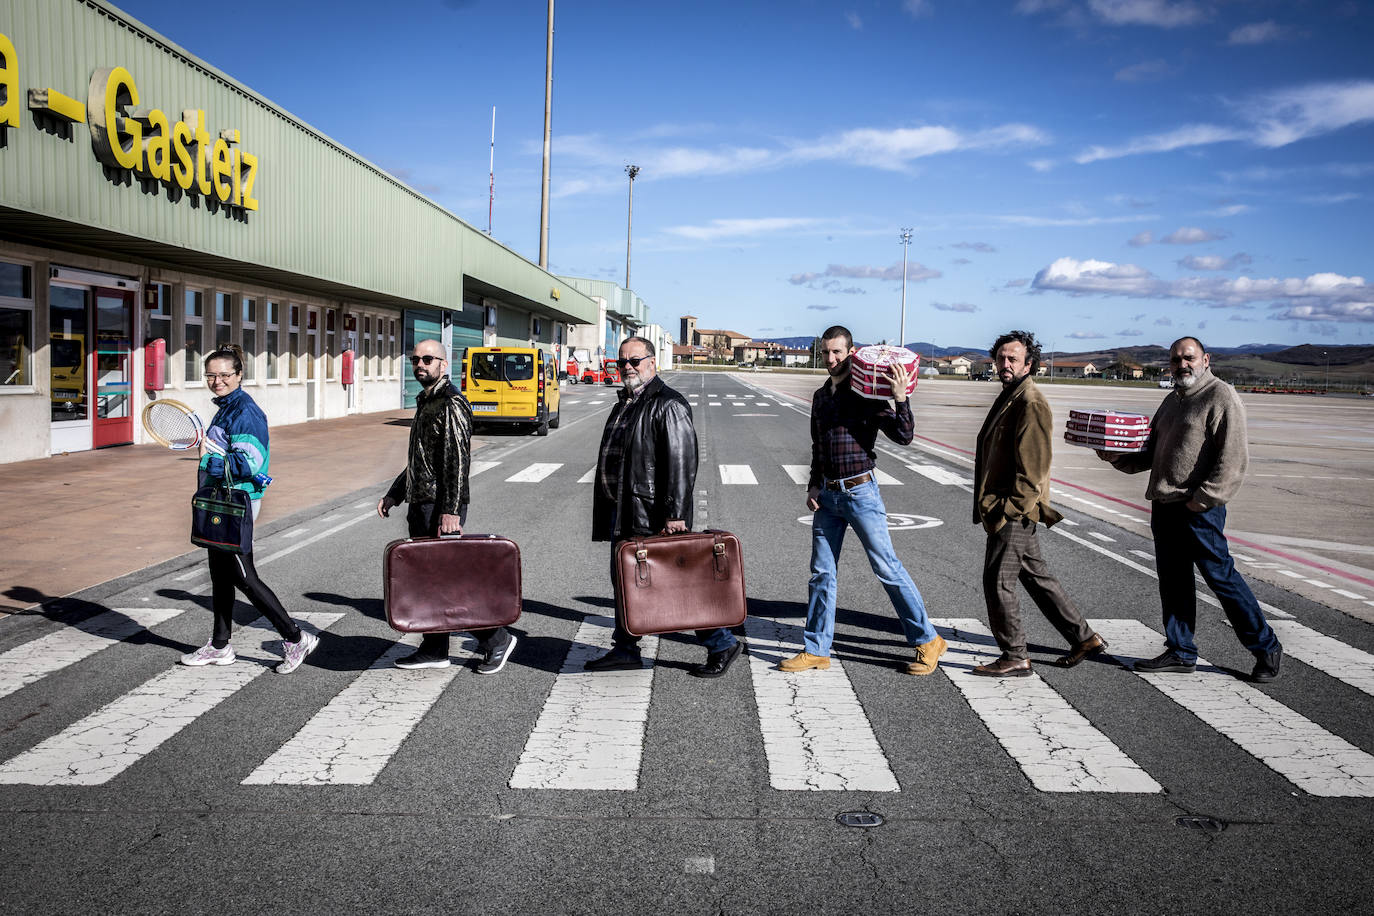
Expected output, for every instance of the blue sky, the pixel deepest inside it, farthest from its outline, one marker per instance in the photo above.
(1103, 172)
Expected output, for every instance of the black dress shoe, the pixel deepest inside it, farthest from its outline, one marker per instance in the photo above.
(717, 663)
(1267, 666)
(1168, 663)
(618, 659)
(1081, 651)
(1005, 667)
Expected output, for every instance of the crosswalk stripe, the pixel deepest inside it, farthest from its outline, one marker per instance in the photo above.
(714, 403)
(33, 660)
(535, 472)
(1052, 742)
(480, 466)
(115, 737)
(800, 473)
(1331, 656)
(737, 474)
(1291, 745)
(351, 740)
(590, 733)
(816, 735)
(588, 477)
(886, 479)
(941, 475)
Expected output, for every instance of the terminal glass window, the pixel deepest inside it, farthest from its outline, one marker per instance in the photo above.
(249, 330)
(224, 317)
(16, 324)
(391, 347)
(195, 333)
(269, 340)
(331, 349)
(160, 314)
(312, 342)
(67, 344)
(367, 348)
(293, 343)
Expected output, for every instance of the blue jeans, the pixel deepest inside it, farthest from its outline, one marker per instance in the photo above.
(1184, 538)
(861, 509)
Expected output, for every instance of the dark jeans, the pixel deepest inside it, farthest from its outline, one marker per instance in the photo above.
(1012, 556)
(423, 522)
(1184, 539)
(717, 640)
(229, 571)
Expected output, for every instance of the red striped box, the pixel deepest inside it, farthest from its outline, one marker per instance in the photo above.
(868, 370)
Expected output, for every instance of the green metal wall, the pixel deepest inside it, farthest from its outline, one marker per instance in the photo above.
(324, 212)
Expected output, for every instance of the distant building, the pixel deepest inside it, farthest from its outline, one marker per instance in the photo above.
(1068, 368)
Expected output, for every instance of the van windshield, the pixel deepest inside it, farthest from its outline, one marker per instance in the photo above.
(519, 367)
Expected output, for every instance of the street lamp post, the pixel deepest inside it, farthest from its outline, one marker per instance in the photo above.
(548, 135)
(906, 241)
(632, 171)
(1326, 385)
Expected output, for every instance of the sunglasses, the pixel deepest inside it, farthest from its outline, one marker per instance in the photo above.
(426, 359)
(633, 361)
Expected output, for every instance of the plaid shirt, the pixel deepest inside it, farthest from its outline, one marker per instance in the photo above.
(844, 428)
(611, 458)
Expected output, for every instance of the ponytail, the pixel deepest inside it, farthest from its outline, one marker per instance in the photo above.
(228, 351)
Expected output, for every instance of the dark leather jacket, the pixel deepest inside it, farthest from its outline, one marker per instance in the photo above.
(659, 468)
(440, 452)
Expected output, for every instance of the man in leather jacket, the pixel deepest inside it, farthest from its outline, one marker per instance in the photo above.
(435, 483)
(645, 471)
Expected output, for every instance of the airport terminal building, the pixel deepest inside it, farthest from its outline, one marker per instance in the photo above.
(151, 208)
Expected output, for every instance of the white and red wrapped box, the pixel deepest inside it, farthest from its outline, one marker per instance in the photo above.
(1109, 430)
(868, 369)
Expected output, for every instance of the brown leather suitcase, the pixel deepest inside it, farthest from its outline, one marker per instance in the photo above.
(448, 584)
(674, 582)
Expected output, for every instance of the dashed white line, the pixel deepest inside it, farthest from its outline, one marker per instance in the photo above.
(1101, 537)
(737, 474)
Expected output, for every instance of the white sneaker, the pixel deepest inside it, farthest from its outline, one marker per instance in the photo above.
(295, 652)
(209, 655)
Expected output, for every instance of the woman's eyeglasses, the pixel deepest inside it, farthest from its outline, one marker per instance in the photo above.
(426, 359)
(219, 376)
(632, 361)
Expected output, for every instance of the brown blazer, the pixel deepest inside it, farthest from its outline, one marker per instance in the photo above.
(1011, 474)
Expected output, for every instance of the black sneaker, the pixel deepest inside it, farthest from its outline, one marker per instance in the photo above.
(496, 659)
(420, 660)
(717, 663)
(1267, 666)
(1168, 663)
(618, 659)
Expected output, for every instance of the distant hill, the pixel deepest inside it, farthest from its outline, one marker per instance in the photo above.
(922, 347)
(1256, 349)
(1314, 355)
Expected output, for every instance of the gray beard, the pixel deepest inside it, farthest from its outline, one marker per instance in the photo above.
(633, 385)
(1185, 381)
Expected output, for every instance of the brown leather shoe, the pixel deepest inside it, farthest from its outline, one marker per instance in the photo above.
(1005, 667)
(1081, 651)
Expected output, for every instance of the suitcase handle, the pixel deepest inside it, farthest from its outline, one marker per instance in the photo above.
(720, 561)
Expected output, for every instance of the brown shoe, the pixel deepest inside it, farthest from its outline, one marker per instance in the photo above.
(1005, 667)
(928, 656)
(804, 661)
(1081, 651)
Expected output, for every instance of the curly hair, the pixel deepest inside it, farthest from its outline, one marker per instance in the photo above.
(1026, 339)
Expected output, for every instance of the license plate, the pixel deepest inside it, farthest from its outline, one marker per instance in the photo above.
(484, 408)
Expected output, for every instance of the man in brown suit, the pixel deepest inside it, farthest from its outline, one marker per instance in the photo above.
(1011, 495)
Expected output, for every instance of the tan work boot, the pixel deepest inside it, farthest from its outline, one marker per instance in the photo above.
(804, 661)
(928, 656)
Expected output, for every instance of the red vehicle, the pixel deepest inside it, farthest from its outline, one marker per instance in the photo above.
(610, 372)
(573, 373)
(592, 375)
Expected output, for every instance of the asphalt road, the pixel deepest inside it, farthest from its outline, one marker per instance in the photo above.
(130, 785)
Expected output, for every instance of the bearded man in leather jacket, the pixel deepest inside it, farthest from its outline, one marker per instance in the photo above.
(645, 471)
(435, 484)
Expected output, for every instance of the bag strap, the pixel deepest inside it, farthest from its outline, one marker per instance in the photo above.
(642, 578)
(721, 557)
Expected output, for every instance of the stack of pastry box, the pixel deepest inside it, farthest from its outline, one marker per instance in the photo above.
(1109, 430)
(868, 370)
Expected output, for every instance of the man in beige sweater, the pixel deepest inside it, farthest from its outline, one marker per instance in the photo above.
(1197, 454)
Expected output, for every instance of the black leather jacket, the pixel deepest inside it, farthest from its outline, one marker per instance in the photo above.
(659, 468)
(440, 452)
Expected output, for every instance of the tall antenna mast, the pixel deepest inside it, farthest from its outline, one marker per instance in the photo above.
(491, 189)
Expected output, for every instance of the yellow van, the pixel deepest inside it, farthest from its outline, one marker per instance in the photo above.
(511, 385)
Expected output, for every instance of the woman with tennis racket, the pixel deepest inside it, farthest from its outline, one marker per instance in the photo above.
(235, 446)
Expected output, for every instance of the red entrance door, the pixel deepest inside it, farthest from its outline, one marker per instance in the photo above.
(111, 368)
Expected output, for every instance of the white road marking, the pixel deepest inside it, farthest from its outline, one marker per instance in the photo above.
(1243, 559)
(886, 479)
(38, 658)
(1318, 583)
(534, 473)
(1054, 744)
(478, 467)
(1101, 537)
(588, 477)
(293, 533)
(737, 474)
(815, 733)
(699, 865)
(1068, 521)
(115, 737)
(1289, 573)
(1343, 592)
(941, 475)
(1343, 662)
(590, 733)
(800, 473)
(365, 504)
(1144, 555)
(715, 403)
(1291, 745)
(351, 740)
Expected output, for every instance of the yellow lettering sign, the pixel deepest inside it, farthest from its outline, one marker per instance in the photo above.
(116, 139)
(9, 83)
(157, 151)
(183, 171)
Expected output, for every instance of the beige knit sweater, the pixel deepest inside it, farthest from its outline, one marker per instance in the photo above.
(1198, 447)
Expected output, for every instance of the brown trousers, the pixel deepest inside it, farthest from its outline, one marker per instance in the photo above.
(1013, 555)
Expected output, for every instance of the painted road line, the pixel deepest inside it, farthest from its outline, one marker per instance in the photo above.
(800, 473)
(714, 403)
(1317, 583)
(534, 473)
(1242, 558)
(1101, 537)
(1291, 745)
(351, 740)
(365, 504)
(941, 475)
(815, 733)
(1054, 744)
(590, 733)
(737, 474)
(1068, 521)
(1346, 594)
(478, 467)
(886, 479)
(1289, 573)
(1202, 594)
(1144, 555)
(115, 737)
(588, 477)
(293, 533)
(26, 663)
(1330, 656)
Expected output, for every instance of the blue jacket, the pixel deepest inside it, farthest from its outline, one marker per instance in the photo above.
(245, 428)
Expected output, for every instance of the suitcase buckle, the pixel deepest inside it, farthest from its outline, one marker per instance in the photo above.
(719, 548)
(641, 555)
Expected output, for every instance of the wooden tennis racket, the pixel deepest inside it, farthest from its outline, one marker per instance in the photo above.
(173, 424)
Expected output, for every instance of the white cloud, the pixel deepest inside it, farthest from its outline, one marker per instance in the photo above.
(1130, 332)
(736, 228)
(917, 8)
(1256, 33)
(1229, 210)
(1031, 7)
(1214, 261)
(1144, 72)
(1013, 284)
(954, 306)
(1165, 322)
(1191, 235)
(983, 247)
(1017, 219)
(1085, 277)
(1141, 239)
(1179, 138)
(854, 21)
(1041, 165)
(915, 272)
(1086, 335)
(894, 149)
(1160, 13)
